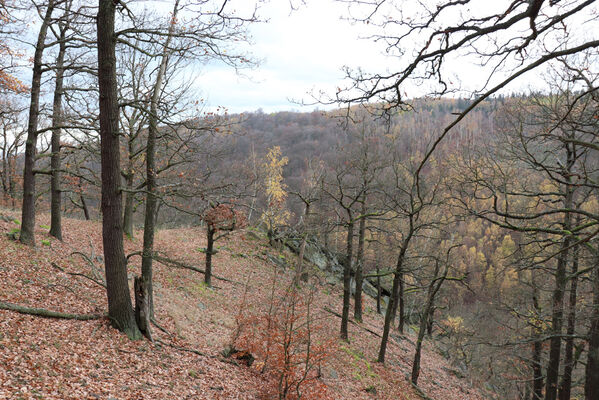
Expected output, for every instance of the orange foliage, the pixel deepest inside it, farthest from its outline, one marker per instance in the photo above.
(288, 346)
(225, 217)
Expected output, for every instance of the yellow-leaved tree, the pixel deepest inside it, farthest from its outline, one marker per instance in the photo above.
(275, 214)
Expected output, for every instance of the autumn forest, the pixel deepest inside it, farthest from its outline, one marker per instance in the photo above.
(422, 233)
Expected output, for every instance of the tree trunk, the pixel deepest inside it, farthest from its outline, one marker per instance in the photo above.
(378, 290)
(120, 309)
(360, 265)
(209, 250)
(28, 209)
(401, 302)
(557, 317)
(433, 288)
(84, 206)
(537, 369)
(565, 388)
(142, 307)
(347, 279)
(591, 383)
(56, 196)
(129, 198)
(394, 296)
(151, 184)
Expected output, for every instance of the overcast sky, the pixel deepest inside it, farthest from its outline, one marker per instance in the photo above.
(302, 51)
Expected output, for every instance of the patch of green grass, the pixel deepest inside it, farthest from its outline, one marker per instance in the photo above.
(44, 227)
(45, 242)
(358, 360)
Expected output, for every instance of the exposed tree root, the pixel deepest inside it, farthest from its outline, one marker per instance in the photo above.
(41, 312)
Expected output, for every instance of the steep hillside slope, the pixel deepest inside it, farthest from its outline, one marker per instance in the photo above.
(44, 358)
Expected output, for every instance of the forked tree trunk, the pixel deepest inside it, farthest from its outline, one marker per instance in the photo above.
(120, 310)
(28, 209)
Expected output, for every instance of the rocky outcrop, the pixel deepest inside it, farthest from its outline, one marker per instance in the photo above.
(332, 264)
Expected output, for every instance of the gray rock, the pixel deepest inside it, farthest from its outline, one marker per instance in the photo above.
(201, 305)
(333, 374)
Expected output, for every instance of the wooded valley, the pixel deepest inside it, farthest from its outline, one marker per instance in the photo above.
(390, 244)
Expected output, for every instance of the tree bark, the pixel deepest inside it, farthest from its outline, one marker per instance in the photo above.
(142, 308)
(591, 383)
(565, 388)
(378, 290)
(557, 317)
(129, 198)
(28, 209)
(347, 279)
(537, 369)
(360, 265)
(84, 206)
(56, 193)
(42, 312)
(433, 289)
(389, 314)
(120, 309)
(209, 250)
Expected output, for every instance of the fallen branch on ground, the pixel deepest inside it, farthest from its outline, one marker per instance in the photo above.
(169, 262)
(353, 322)
(58, 267)
(41, 312)
(199, 353)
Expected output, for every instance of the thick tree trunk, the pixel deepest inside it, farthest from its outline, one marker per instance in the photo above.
(591, 383)
(120, 309)
(565, 388)
(360, 265)
(209, 250)
(56, 196)
(347, 279)
(28, 208)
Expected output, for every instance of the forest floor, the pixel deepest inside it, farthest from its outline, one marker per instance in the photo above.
(45, 358)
